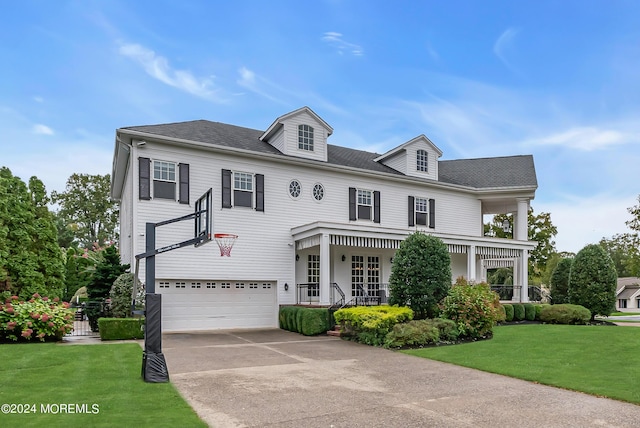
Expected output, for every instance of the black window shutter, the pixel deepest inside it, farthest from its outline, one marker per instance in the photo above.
(259, 192)
(184, 183)
(226, 188)
(352, 203)
(432, 213)
(376, 206)
(144, 178)
(412, 207)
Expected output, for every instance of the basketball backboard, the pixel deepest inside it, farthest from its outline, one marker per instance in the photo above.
(204, 218)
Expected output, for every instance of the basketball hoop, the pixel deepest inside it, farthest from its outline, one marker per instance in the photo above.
(225, 242)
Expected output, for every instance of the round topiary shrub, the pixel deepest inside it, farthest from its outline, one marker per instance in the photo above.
(529, 311)
(420, 275)
(518, 312)
(508, 311)
(593, 280)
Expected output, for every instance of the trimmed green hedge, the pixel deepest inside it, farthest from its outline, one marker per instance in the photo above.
(508, 310)
(529, 311)
(518, 312)
(121, 328)
(565, 314)
(307, 321)
(370, 324)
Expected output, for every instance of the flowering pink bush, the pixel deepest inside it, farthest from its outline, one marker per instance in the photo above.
(37, 318)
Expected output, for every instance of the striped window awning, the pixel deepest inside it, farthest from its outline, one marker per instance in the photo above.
(359, 241)
(494, 264)
(486, 252)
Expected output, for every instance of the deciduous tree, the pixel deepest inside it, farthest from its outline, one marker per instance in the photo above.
(87, 210)
(30, 259)
(540, 229)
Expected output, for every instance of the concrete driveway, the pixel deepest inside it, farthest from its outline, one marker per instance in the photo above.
(260, 378)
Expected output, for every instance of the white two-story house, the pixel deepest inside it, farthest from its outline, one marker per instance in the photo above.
(311, 217)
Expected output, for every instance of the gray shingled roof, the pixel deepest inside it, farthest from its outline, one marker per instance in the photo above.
(511, 171)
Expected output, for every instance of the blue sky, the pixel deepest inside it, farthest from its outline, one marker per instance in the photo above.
(556, 79)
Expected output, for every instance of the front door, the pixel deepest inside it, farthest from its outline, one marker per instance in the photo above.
(365, 275)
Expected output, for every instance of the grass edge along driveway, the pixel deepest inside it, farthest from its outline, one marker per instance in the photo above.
(598, 360)
(106, 375)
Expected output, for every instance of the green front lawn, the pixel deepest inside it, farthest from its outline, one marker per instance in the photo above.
(599, 360)
(104, 375)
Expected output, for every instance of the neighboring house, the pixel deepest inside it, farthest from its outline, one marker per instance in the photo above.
(628, 294)
(308, 214)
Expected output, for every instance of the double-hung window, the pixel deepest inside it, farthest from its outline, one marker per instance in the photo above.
(364, 204)
(422, 211)
(164, 180)
(305, 137)
(242, 189)
(422, 161)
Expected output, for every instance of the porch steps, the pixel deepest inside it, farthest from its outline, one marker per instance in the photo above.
(335, 332)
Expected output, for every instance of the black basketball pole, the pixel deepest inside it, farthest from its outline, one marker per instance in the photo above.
(154, 366)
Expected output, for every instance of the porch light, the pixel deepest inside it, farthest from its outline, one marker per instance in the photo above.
(505, 225)
(344, 257)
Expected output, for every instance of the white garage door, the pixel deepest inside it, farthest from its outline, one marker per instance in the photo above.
(208, 305)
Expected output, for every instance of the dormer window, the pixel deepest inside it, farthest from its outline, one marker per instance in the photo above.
(422, 159)
(305, 137)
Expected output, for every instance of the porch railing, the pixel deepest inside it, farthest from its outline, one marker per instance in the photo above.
(308, 293)
(507, 292)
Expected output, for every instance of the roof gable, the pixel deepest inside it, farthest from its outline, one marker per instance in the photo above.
(279, 122)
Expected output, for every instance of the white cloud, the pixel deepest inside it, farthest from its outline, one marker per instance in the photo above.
(504, 47)
(38, 99)
(587, 138)
(42, 129)
(583, 221)
(259, 85)
(158, 67)
(335, 39)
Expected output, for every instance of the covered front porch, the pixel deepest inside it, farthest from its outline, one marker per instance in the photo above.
(352, 263)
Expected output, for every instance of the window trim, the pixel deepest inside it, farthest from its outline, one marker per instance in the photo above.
(305, 137)
(422, 160)
(234, 189)
(419, 202)
(297, 197)
(155, 180)
(359, 204)
(313, 192)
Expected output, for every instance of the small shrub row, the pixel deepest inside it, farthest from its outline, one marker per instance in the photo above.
(307, 321)
(38, 318)
(418, 333)
(565, 314)
(523, 311)
(371, 324)
(121, 328)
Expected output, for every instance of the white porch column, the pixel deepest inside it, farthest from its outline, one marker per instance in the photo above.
(325, 269)
(524, 276)
(471, 264)
(521, 232)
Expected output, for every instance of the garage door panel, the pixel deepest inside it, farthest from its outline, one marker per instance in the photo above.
(188, 305)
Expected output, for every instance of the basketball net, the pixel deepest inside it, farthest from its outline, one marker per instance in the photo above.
(225, 241)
